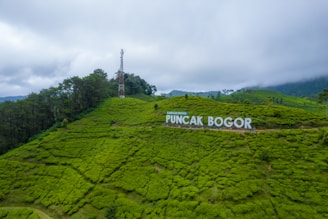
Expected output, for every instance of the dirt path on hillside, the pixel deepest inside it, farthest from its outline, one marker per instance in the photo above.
(240, 130)
(41, 214)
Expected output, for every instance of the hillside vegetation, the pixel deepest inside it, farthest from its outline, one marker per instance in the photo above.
(122, 161)
(304, 88)
(55, 106)
(274, 98)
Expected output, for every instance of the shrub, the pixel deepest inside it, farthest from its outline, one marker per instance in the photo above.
(64, 123)
(2, 196)
(323, 137)
(276, 114)
(247, 101)
(265, 155)
(111, 212)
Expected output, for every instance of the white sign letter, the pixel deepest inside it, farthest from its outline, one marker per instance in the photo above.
(193, 121)
(184, 120)
(248, 122)
(199, 120)
(216, 121)
(178, 119)
(240, 121)
(228, 122)
(167, 118)
(210, 121)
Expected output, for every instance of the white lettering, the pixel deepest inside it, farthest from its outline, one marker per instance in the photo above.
(199, 121)
(184, 121)
(238, 123)
(181, 118)
(216, 121)
(168, 118)
(210, 121)
(176, 113)
(178, 119)
(228, 122)
(248, 122)
(193, 121)
(172, 119)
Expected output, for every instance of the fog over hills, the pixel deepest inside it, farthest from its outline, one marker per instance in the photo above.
(300, 89)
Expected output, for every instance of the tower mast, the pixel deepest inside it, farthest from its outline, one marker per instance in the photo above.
(121, 92)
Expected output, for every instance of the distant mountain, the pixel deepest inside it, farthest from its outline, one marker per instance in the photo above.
(265, 97)
(300, 89)
(305, 88)
(175, 93)
(11, 98)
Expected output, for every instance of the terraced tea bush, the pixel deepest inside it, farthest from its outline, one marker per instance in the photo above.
(18, 213)
(149, 170)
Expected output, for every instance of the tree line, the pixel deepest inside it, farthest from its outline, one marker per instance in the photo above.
(21, 120)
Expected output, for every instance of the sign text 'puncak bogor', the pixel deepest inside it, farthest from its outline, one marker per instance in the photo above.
(182, 118)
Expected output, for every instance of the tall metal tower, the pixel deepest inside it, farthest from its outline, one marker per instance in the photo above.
(121, 92)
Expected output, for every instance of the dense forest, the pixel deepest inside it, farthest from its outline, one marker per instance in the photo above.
(56, 106)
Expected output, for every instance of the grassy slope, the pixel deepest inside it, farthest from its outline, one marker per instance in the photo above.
(149, 170)
(264, 96)
(22, 212)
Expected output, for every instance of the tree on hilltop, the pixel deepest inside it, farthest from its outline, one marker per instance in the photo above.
(21, 120)
(323, 96)
(133, 85)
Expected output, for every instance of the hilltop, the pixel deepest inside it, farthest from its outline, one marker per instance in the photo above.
(121, 159)
(309, 88)
(303, 88)
(11, 98)
(175, 93)
(264, 97)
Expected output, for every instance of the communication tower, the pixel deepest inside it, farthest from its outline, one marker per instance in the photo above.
(121, 92)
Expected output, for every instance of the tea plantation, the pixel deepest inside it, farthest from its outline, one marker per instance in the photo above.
(123, 161)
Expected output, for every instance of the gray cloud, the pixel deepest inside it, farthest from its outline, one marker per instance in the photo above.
(191, 45)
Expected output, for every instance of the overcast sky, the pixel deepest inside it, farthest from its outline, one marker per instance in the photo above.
(194, 45)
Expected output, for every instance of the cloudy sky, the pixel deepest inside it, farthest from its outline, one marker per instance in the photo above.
(193, 45)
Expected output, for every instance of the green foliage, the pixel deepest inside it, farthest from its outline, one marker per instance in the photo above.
(323, 96)
(120, 160)
(302, 88)
(133, 85)
(323, 136)
(2, 196)
(55, 106)
(264, 97)
(64, 123)
(247, 101)
(18, 213)
(111, 212)
(264, 155)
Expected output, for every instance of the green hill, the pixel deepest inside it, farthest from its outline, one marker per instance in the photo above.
(122, 160)
(304, 88)
(275, 98)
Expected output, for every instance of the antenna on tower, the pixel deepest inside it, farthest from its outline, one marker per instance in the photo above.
(122, 53)
(121, 92)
